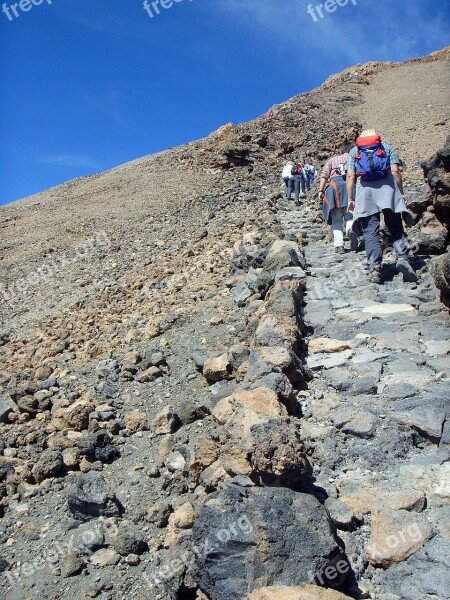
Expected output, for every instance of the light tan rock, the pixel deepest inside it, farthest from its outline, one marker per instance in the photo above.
(328, 345)
(369, 499)
(75, 416)
(396, 535)
(105, 558)
(206, 451)
(435, 479)
(217, 369)
(235, 461)
(211, 476)
(165, 445)
(183, 517)
(242, 370)
(153, 327)
(218, 320)
(303, 592)
(59, 440)
(260, 400)
(70, 457)
(136, 421)
(165, 421)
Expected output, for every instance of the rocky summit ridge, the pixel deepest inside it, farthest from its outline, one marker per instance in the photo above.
(200, 400)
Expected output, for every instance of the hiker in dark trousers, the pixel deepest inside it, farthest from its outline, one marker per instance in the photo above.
(374, 167)
(310, 172)
(334, 200)
(295, 181)
(304, 180)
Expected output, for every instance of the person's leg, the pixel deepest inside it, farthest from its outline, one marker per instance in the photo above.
(289, 188)
(297, 189)
(348, 218)
(371, 232)
(395, 226)
(336, 226)
(303, 184)
(307, 183)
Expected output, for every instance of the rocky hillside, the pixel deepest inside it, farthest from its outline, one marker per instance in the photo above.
(199, 399)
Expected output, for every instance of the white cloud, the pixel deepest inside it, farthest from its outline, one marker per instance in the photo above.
(71, 160)
(354, 33)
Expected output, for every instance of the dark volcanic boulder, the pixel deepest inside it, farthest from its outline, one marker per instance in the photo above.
(440, 268)
(248, 538)
(90, 496)
(98, 446)
(50, 464)
(437, 173)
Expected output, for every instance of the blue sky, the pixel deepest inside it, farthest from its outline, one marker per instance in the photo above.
(90, 84)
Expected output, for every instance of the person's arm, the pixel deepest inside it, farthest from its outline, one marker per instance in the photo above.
(324, 177)
(350, 183)
(398, 177)
(322, 184)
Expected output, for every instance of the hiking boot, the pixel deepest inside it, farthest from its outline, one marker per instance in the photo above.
(353, 241)
(403, 266)
(376, 277)
(339, 250)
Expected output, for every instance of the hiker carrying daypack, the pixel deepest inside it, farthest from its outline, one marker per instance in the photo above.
(296, 169)
(372, 162)
(378, 191)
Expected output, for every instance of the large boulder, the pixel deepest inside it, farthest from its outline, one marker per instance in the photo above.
(429, 235)
(440, 268)
(90, 497)
(437, 173)
(254, 537)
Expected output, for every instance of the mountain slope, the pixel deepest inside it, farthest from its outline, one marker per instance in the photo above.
(116, 291)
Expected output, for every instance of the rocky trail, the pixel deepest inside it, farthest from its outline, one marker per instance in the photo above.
(374, 415)
(200, 400)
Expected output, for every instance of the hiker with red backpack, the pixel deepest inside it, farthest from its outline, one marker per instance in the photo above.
(374, 168)
(333, 199)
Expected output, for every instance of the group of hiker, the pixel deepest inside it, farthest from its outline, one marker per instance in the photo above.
(298, 177)
(357, 185)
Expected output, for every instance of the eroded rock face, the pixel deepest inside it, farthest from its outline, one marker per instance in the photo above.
(251, 537)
